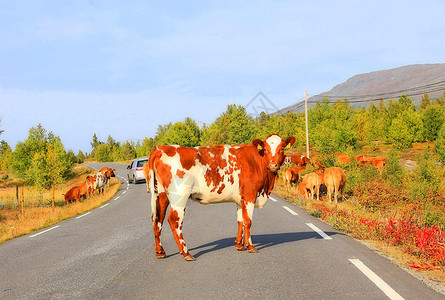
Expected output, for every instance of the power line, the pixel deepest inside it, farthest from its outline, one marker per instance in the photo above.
(436, 86)
(409, 92)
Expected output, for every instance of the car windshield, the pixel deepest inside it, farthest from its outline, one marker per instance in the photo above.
(141, 163)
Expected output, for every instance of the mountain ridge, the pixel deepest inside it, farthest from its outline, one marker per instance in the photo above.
(366, 88)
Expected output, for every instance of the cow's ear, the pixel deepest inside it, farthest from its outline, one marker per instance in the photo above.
(258, 142)
(289, 141)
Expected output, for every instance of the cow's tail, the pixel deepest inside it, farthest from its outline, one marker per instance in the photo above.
(150, 178)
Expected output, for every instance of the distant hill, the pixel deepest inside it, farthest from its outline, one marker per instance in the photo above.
(363, 89)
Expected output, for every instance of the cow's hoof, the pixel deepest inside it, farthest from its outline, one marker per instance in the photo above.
(160, 254)
(189, 257)
(252, 249)
(240, 247)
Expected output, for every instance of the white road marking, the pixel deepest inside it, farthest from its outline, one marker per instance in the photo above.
(124, 192)
(289, 210)
(376, 279)
(319, 231)
(81, 216)
(44, 231)
(273, 199)
(117, 198)
(104, 205)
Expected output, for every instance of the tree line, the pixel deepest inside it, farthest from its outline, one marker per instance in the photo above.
(334, 127)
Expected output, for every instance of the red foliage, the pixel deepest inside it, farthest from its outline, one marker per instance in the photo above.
(425, 242)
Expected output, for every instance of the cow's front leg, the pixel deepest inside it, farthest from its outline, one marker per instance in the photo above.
(175, 219)
(239, 237)
(247, 211)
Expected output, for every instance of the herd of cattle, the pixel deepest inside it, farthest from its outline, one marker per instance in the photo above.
(241, 174)
(91, 184)
(333, 178)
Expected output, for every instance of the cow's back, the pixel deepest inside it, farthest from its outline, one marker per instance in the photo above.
(334, 176)
(205, 174)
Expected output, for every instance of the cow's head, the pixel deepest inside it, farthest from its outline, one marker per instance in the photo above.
(272, 150)
(112, 172)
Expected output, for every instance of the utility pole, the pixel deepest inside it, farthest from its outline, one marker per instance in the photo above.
(307, 127)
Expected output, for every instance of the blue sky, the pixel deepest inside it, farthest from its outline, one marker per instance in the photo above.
(121, 68)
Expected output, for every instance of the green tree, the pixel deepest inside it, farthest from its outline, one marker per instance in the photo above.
(405, 129)
(234, 126)
(80, 157)
(162, 129)
(102, 153)
(433, 117)
(425, 101)
(324, 138)
(23, 154)
(439, 145)
(147, 146)
(50, 166)
(6, 156)
(95, 142)
(288, 124)
(185, 133)
(127, 151)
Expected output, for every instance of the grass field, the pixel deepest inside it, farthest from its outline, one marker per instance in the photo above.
(37, 216)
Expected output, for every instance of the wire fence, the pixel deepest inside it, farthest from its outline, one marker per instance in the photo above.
(22, 199)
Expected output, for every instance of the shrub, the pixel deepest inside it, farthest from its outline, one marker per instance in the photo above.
(394, 172)
(376, 195)
(439, 145)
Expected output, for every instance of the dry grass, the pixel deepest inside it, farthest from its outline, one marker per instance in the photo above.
(35, 218)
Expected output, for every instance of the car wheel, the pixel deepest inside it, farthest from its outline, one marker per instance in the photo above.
(128, 176)
(134, 180)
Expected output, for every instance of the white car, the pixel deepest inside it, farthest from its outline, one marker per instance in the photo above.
(135, 173)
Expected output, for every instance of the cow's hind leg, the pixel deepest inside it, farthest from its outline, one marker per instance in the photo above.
(160, 207)
(175, 219)
(239, 237)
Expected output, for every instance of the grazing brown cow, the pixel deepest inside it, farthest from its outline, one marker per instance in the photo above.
(291, 175)
(334, 179)
(299, 160)
(75, 193)
(343, 158)
(243, 174)
(311, 182)
(377, 162)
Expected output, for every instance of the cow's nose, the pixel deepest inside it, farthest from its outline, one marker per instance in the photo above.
(273, 165)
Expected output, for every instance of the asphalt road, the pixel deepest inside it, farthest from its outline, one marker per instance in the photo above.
(109, 254)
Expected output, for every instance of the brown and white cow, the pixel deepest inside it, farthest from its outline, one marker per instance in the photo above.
(243, 174)
(101, 182)
(108, 172)
(90, 181)
(299, 160)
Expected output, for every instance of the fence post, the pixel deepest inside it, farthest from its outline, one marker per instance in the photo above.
(52, 204)
(23, 203)
(17, 194)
